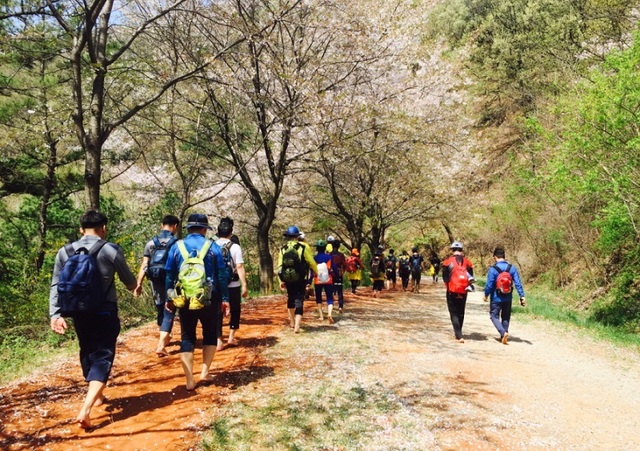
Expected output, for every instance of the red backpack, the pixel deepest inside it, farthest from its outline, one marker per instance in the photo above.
(352, 264)
(504, 282)
(458, 278)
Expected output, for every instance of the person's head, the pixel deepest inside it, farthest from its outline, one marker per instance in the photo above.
(225, 228)
(456, 246)
(170, 222)
(498, 252)
(355, 252)
(292, 232)
(198, 223)
(330, 239)
(404, 252)
(377, 253)
(302, 236)
(391, 251)
(414, 250)
(94, 222)
(321, 245)
(380, 247)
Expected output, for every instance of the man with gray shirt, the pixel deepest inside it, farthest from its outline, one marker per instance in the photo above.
(97, 331)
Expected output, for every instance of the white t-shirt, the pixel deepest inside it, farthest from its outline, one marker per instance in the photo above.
(236, 257)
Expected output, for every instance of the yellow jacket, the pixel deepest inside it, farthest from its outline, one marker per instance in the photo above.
(307, 255)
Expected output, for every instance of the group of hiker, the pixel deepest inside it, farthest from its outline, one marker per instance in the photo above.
(300, 269)
(204, 280)
(199, 278)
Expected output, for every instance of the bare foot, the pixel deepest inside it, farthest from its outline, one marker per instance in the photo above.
(191, 384)
(83, 420)
(162, 352)
(101, 400)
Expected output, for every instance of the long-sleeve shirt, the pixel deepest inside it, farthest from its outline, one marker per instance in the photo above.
(215, 267)
(492, 276)
(111, 261)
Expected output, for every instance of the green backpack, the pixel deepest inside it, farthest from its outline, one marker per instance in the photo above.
(293, 267)
(192, 278)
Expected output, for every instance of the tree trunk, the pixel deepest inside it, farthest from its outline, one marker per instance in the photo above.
(49, 184)
(265, 259)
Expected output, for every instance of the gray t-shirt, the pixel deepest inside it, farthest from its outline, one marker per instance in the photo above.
(110, 260)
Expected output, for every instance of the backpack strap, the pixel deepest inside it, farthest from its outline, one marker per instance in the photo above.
(507, 269)
(183, 250)
(156, 242)
(97, 247)
(205, 248)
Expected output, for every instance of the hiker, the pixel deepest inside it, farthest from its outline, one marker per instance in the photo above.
(390, 264)
(323, 279)
(457, 274)
(338, 267)
(193, 296)
(404, 268)
(154, 259)
(416, 262)
(294, 261)
(354, 266)
(435, 262)
(502, 277)
(377, 272)
(98, 330)
(237, 281)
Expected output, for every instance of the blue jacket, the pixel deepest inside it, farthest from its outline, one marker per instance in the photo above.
(492, 276)
(214, 264)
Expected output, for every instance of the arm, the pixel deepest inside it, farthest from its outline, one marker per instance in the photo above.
(141, 275)
(57, 323)
(517, 282)
(308, 257)
(122, 269)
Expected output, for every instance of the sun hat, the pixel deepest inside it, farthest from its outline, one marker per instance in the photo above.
(198, 220)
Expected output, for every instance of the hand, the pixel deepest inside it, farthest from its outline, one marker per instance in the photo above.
(485, 299)
(58, 325)
(137, 290)
(523, 302)
(170, 306)
(283, 286)
(245, 291)
(224, 307)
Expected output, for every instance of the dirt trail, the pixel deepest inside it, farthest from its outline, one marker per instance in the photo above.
(549, 388)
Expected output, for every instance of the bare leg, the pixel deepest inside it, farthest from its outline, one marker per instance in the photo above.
(94, 393)
(320, 311)
(232, 333)
(207, 357)
(162, 343)
(291, 312)
(329, 311)
(186, 358)
(220, 344)
(298, 320)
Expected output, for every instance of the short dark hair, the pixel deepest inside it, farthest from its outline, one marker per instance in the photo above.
(92, 219)
(170, 220)
(225, 228)
(499, 252)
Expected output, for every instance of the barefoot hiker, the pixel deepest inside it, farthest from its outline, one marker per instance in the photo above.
(195, 269)
(94, 309)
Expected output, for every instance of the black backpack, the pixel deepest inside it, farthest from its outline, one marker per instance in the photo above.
(231, 266)
(416, 262)
(158, 259)
(404, 265)
(376, 267)
(80, 288)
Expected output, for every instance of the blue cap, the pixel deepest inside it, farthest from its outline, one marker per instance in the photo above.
(292, 231)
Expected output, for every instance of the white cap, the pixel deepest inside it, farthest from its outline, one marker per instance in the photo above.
(330, 238)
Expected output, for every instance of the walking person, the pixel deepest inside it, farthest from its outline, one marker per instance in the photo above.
(237, 283)
(455, 274)
(391, 265)
(98, 330)
(154, 259)
(323, 280)
(377, 272)
(294, 261)
(435, 262)
(502, 277)
(338, 268)
(416, 262)
(404, 269)
(354, 269)
(194, 297)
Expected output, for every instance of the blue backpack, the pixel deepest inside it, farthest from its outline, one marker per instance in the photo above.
(158, 259)
(80, 288)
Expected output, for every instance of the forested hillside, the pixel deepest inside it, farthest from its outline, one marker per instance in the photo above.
(399, 123)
